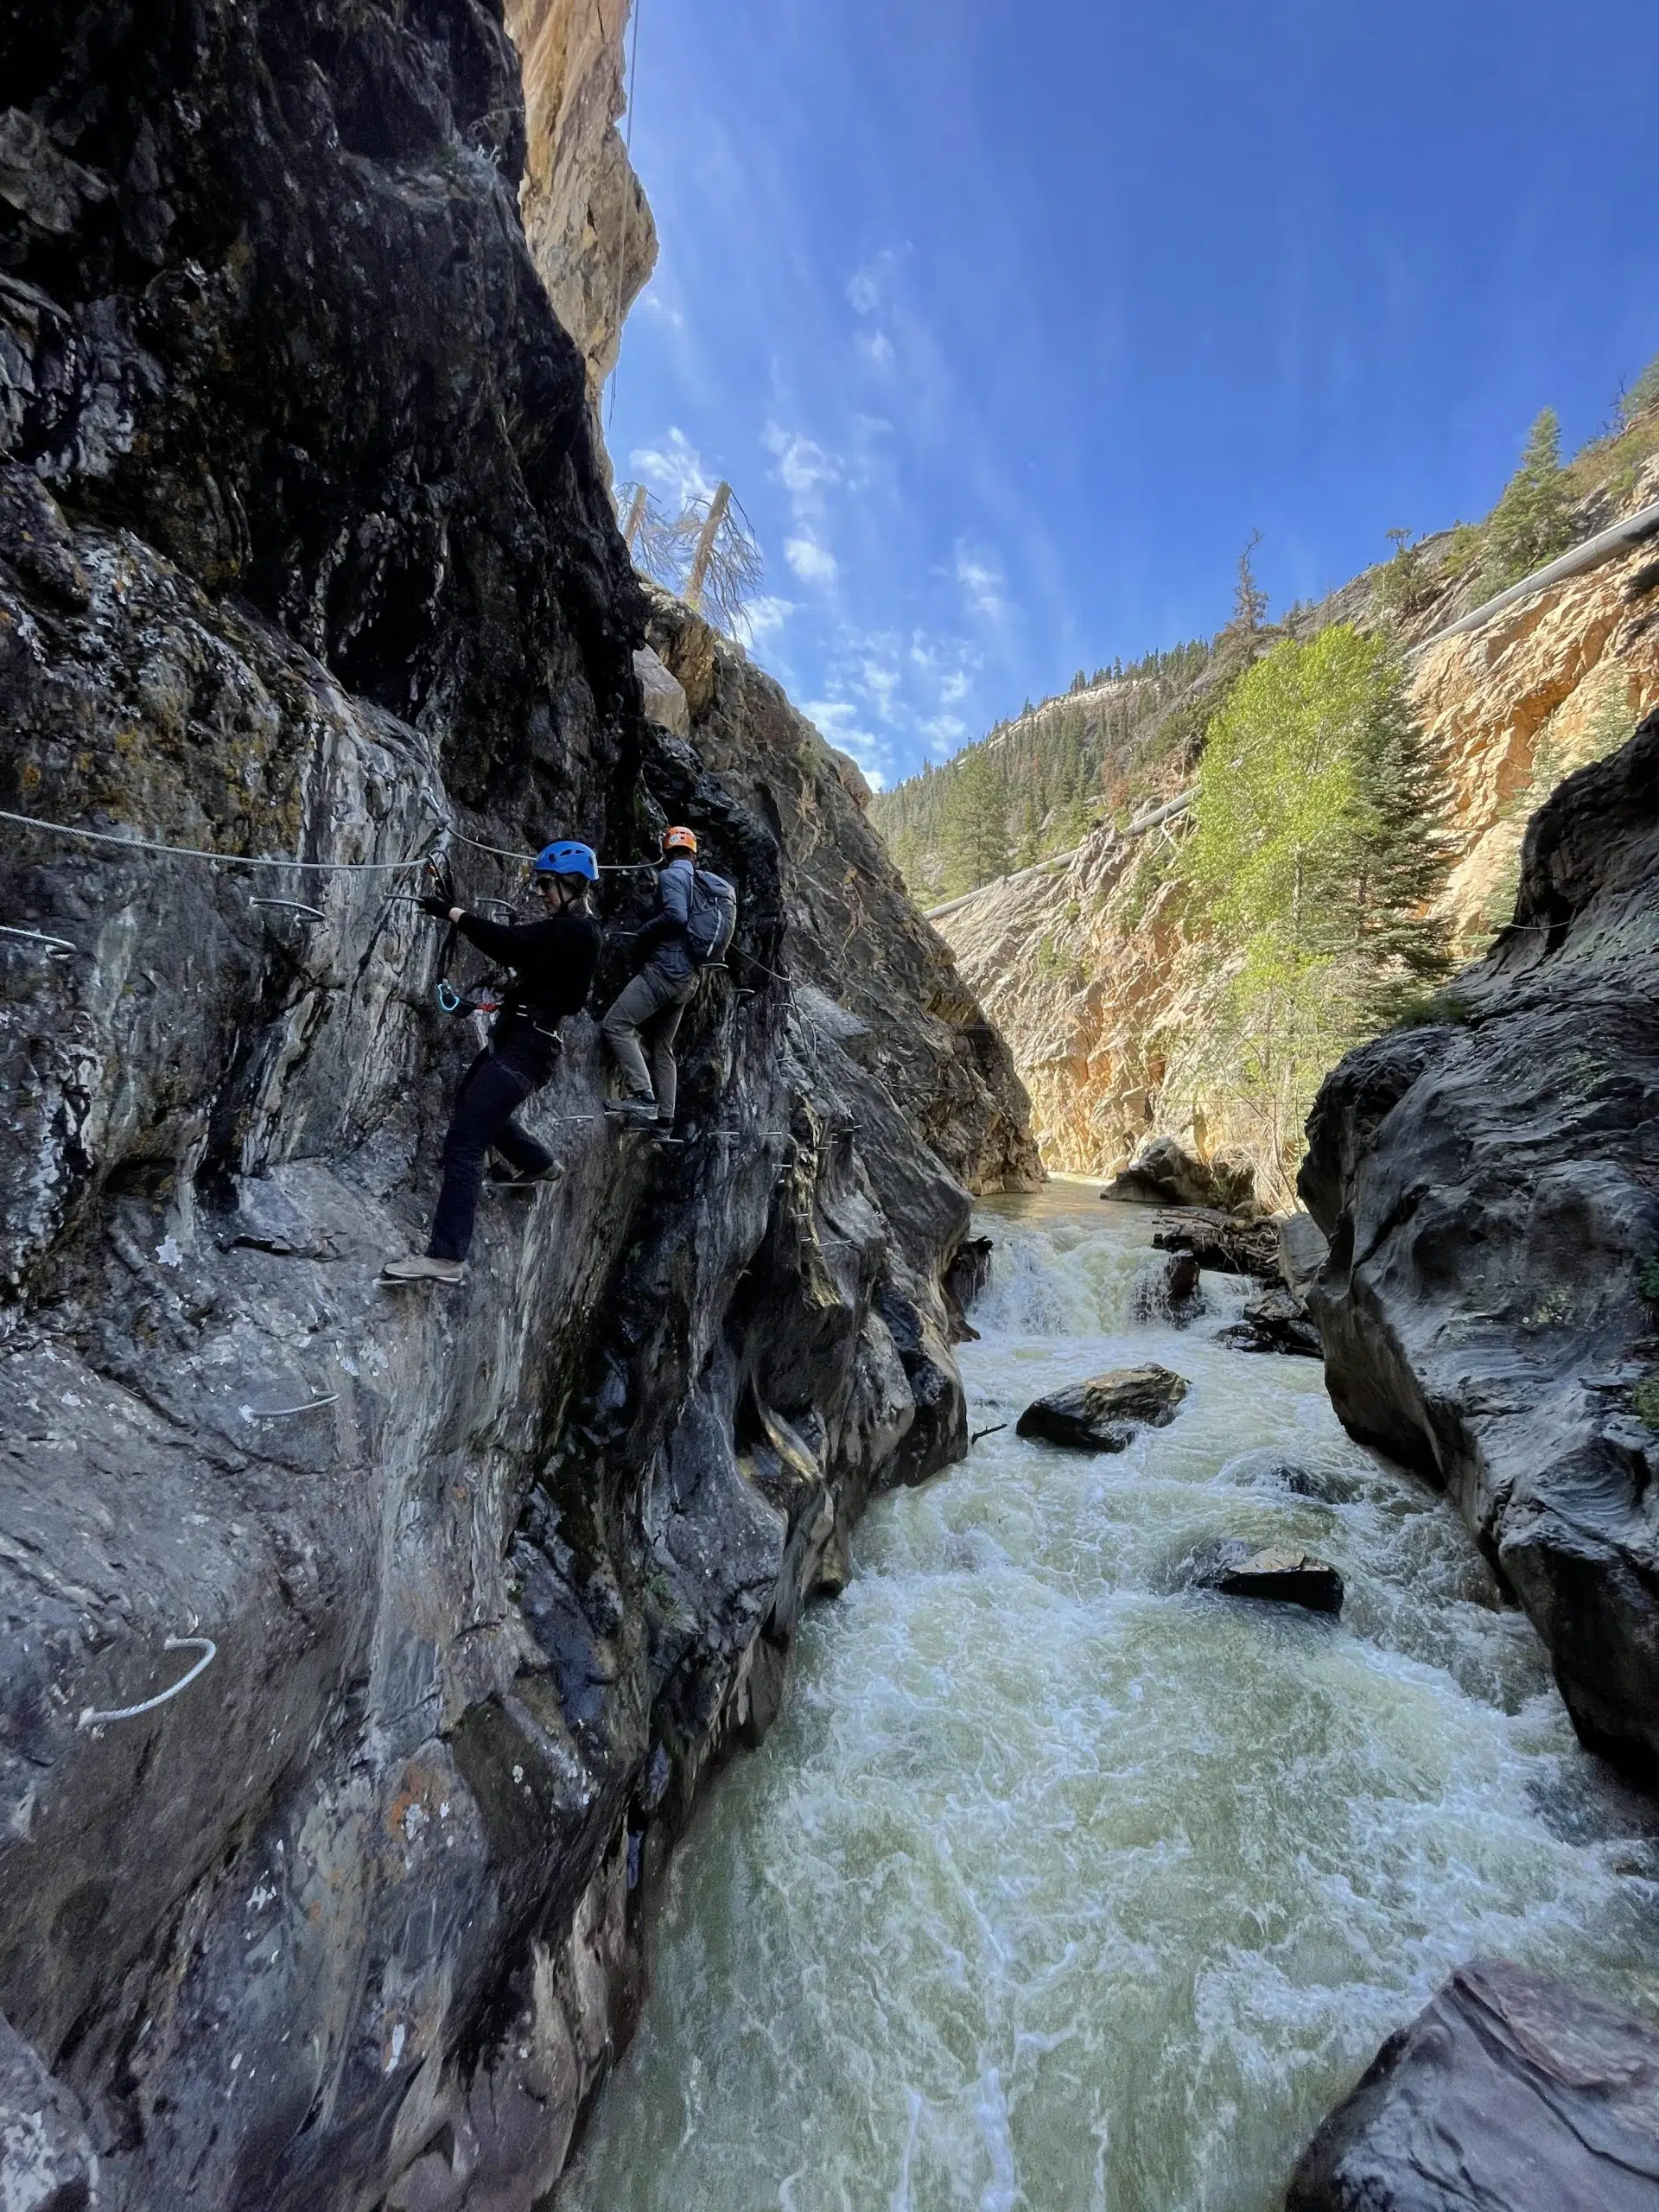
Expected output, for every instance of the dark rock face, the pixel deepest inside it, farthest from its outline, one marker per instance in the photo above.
(1491, 1190)
(1165, 1288)
(1276, 1320)
(1281, 1576)
(1163, 1172)
(304, 548)
(1508, 2093)
(964, 1279)
(1221, 1241)
(1102, 1414)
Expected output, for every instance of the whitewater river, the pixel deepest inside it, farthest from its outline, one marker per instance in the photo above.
(1060, 1887)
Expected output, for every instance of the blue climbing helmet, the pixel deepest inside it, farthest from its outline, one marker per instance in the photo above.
(564, 857)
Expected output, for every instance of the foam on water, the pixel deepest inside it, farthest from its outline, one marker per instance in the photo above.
(1061, 1886)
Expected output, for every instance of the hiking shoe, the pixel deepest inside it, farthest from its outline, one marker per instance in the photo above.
(632, 1110)
(535, 1179)
(420, 1267)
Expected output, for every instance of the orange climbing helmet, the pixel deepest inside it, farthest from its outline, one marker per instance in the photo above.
(680, 840)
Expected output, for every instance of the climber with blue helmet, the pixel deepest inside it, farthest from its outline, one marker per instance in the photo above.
(553, 959)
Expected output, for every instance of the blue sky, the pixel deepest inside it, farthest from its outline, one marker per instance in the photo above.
(1010, 324)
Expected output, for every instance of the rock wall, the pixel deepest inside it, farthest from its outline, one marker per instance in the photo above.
(1090, 972)
(1491, 1192)
(305, 548)
(586, 219)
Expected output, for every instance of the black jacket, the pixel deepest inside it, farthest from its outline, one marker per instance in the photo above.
(553, 963)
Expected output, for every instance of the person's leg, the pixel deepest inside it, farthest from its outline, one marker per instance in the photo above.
(660, 1034)
(521, 1150)
(631, 1008)
(484, 1107)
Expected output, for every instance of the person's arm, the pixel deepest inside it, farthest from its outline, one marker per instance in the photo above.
(511, 942)
(673, 908)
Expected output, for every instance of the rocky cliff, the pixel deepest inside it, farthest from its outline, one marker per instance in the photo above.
(305, 549)
(586, 219)
(1491, 1189)
(1090, 972)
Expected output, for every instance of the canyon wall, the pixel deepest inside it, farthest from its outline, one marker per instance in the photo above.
(1491, 1189)
(306, 549)
(1090, 972)
(587, 221)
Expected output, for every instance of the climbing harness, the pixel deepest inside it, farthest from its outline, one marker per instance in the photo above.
(55, 945)
(209, 1651)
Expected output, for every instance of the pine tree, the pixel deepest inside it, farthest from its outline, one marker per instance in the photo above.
(1246, 634)
(1532, 522)
(975, 829)
(1314, 859)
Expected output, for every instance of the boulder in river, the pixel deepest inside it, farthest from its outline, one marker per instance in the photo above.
(1508, 2093)
(1102, 1414)
(1164, 1173)
(1221, 1241)
(1167, 1288)
(1280, 1573)
(1274, 1320)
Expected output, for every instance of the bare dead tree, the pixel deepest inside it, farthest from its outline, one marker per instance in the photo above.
(724, 568)
(654, 542)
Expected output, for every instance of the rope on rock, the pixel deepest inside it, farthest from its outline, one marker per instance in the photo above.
(209, 1651)
(54, 944)
(133, 843)
(286, 1413)
(294, 906)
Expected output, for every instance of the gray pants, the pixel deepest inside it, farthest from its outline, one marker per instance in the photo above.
(650, 1008)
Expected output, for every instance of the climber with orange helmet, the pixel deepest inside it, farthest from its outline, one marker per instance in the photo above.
(696, 912)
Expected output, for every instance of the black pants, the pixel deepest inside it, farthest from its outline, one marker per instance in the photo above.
(492, 1089)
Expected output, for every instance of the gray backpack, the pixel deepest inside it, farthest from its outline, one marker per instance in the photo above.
(711, 916)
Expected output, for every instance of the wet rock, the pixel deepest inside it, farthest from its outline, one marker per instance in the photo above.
(1509, 2091)
(1163, 1172)
(1303, 1249)
(1275, 1320)
(1103, 1414)
(1221, 1241)
(1490, 1190)
(964, 1279)
(1165, 1288)
(305, 548)
(1278, 1573)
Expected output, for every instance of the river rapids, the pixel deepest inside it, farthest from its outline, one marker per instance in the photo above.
(1062, 1888)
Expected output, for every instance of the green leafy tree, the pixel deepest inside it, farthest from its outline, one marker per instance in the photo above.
(1404, 586)
(1313, 860)
(1532, 521)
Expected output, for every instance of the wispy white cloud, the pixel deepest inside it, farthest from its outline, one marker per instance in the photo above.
(944, 732)
(879, 684)
(763, 617)
(837, 719)
(876, 347)
(982, 585)
(675, 467)
(803, 466)
(812, 562)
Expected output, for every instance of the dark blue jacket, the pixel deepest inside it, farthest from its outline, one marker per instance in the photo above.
(663, 939)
